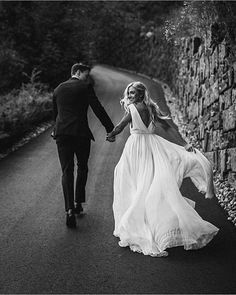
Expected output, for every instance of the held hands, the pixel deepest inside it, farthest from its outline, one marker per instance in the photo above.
(53, 134)
(188, 147)
(110, 137)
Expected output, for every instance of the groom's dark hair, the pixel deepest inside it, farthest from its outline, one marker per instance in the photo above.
(79, 66)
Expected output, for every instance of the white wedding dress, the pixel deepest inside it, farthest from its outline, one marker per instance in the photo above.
(149, 211)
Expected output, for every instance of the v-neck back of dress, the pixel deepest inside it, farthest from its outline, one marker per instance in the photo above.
(138, 126)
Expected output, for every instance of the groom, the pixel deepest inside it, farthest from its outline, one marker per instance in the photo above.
(71, 100)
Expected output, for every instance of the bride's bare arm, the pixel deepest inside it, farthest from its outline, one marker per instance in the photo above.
(120, 126)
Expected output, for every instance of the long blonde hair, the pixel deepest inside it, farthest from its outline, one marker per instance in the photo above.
(153, 108)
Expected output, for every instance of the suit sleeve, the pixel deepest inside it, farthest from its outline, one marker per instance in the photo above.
(99, 110)
(55, 112)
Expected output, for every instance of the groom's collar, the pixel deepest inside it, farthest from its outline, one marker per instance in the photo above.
(75, 77)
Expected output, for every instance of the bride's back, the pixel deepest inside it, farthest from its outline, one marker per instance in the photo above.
(143, 112)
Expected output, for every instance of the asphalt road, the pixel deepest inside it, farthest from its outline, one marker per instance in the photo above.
(39, 254)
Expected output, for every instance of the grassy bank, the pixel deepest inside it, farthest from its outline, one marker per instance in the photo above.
(22, 110)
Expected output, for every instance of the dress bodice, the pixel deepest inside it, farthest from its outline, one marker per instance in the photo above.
(137, 126)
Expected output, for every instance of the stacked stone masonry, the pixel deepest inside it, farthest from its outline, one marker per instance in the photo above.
(206, 91)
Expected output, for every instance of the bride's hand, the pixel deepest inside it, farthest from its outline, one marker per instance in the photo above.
(110, 138)
(189, 148)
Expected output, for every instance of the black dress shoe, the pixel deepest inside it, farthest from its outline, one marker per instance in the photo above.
(70, 220)
(78, 208)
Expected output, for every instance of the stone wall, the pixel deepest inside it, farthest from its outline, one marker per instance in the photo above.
(205, 91)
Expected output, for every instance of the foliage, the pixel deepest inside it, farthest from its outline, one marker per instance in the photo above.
(199, 18)
(22, 108)
(194, 18)
(11, 69)
(52, 35)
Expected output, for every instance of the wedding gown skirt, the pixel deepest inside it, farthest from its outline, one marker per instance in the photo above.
(149, 211)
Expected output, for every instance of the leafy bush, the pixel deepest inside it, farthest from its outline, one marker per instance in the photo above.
(11, 67)
(199, 18)
(20, 109)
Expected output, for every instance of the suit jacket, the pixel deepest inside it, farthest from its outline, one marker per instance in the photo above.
(71, 100)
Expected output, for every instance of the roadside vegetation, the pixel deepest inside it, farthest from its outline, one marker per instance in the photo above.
(40, 40)
(23, 109)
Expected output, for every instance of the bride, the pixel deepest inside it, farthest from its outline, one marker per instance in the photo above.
(150, 213)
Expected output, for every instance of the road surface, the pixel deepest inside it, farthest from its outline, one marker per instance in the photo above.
(39, 254)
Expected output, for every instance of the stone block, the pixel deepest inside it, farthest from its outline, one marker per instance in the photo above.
(201, 50)
(228, 98)
(216, 57)
(215, 91)
(222, 161)
(194, 88)
(231, 81)
(207, 67)
(226, 66)
(191, 72)
(232, 158)
(202, 63)
(216, 139)
(222, 52)
(234, 73)
(200, 104)
(206, 116)
(207, 83)
(215, 107)
(221, 69)
(196, 44)
(196, 68)
(203, 89)
(224, 142)
(225, 99)
(223, 85)
(214, 62)
(218, 160)
(213, 97)
(206, 99)
(221, 102)
(205, 140)
(214, 115)
(201, 131)
(201, 76)
(229, 118)
(199, 92)
(203, 145)
(232, 178)
(212, 79)
(210, 157)
(213, 158)
(231, 138)
(216, 125)
(208, 147)
(209, 124)
(194, 109)
(233, 97)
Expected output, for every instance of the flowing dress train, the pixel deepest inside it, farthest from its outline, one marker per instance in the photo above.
(150, 213)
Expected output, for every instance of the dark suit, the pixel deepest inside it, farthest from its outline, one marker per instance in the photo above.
(71, 100)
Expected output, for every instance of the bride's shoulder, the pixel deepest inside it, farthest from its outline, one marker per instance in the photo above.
(130, 106)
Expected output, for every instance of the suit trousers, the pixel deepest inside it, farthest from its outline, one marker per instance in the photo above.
(68, 147)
